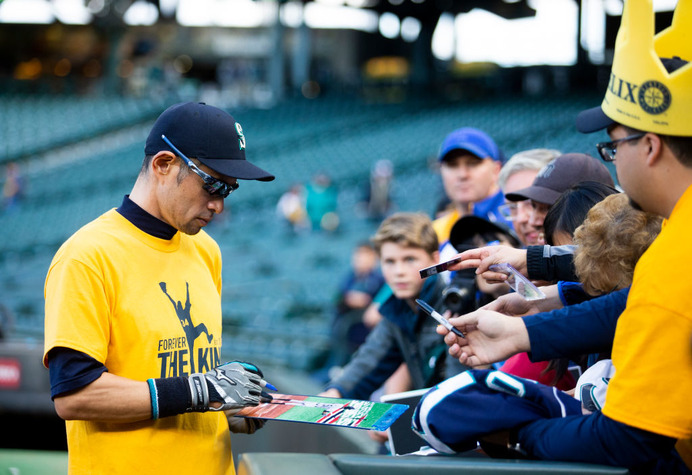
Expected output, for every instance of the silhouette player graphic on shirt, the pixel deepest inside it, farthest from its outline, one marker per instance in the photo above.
(191, 331)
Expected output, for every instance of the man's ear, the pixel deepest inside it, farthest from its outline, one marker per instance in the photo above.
(162, 163)
(655, 148)
(497, 166)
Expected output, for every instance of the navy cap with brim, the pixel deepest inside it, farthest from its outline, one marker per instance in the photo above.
(208, 134)
(468, 226)
(240, 169)
(536, 193)
(593, 120)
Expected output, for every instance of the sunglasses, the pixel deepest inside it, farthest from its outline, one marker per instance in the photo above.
(607, 150)
(213, 186)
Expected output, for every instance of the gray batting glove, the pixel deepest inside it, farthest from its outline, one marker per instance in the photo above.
(235, 385)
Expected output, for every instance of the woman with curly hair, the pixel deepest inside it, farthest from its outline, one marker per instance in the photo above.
(610, 242)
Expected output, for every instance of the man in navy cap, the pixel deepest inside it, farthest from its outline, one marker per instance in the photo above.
(553, 180)
(470, 163)
(133, 312)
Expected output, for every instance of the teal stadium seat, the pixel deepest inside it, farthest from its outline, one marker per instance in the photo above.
(268, 276)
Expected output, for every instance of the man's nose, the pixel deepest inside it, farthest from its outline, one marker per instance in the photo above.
(536, 219)
(216, 204)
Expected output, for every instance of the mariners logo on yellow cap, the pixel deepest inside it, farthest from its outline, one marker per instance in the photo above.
(641, 93)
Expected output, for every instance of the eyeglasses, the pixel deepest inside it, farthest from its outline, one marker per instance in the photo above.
(510, 211)
(607, 149)
(213, 186)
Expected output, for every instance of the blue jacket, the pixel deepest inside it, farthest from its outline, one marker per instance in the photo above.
(587, 327)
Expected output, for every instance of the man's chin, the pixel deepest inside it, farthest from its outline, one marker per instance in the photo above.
(635, 205)
(191, 230)
(533, 241)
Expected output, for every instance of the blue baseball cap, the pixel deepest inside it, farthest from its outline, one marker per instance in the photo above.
(208, 134)
(472, 140)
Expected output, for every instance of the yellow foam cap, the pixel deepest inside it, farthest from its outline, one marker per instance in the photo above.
(641, 93)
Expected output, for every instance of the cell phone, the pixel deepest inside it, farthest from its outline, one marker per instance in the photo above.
(427, 308)
(518, 282)
(437, 268)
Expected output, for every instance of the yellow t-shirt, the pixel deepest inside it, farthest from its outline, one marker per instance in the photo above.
(444, 224)
(145, 308)
(652, 350)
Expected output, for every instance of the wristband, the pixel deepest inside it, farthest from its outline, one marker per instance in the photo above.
(154, 395)
(199, 391)
(169, 396)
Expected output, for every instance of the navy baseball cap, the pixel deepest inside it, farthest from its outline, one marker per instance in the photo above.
(472, 140)
(593, 120)
(559, 175)
(467, 227)
(208, 134)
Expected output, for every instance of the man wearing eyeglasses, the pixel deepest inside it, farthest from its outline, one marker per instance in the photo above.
(518, 173)
(554, 179)
(133, 312)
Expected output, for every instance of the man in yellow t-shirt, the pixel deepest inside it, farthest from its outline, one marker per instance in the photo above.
(133, 312)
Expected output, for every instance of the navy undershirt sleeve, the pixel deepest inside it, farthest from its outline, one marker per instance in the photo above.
(587, 327)
(70, 370)
(598, 439)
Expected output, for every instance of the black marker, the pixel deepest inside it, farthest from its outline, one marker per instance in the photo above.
(441, 320)
(437, 268)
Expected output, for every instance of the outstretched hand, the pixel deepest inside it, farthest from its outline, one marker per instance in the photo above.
(483, 257)
(489, 337)
(513, 304)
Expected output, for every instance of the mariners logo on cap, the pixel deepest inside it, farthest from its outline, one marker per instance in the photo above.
(241, 137)
(645, 91)
(654, 97)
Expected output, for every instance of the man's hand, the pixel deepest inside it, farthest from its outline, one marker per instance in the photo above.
(243, 425)
(228, 386)
(483, 257)
(379, 436)
(515, 305)
(489, 337)
(331, 392)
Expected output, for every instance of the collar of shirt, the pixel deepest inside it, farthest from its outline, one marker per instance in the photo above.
(145, 221)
